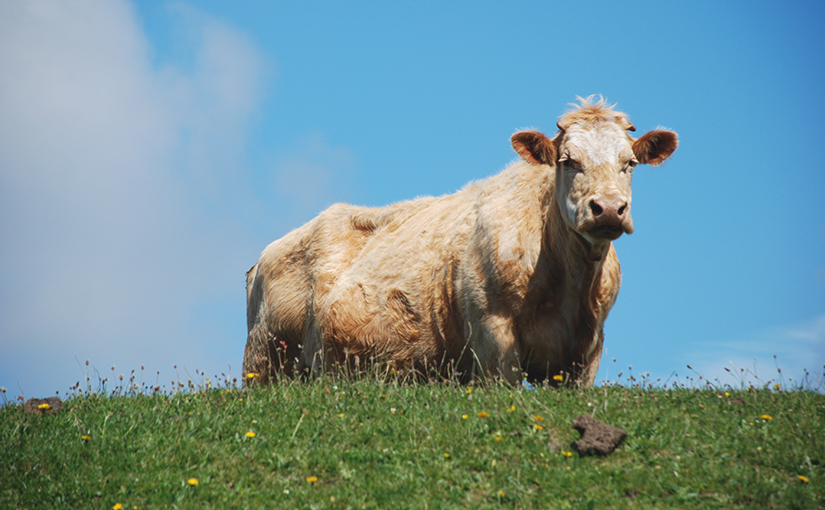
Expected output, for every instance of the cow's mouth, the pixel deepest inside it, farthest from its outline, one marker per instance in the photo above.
(606, 232)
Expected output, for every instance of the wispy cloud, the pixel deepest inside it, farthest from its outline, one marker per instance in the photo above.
(797, 348)
(312, 176)
(115, 177)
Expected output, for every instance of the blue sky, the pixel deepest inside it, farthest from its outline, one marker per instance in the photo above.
(149, 152)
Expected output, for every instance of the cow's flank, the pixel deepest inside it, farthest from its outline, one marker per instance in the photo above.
(510, 277)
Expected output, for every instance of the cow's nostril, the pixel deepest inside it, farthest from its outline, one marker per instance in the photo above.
(622, 210)
(595, 208)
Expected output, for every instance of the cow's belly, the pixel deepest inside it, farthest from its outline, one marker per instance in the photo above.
(386, 327)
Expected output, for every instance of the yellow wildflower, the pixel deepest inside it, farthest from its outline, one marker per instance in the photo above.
(251, 375)
(483, 414)
(558, 377)
(446, 455)
(44, 406)
(501, 494)
(469, 390)
(193, 482)
(117, 506)
(464, 416)
(250, 434)
(512, 408)
(341, 415)
(86, 438)
(567, 454)
(766, 417)
(727, 394)
(803, 478)
(498, 438)
(312, 479)
(538, 417)
(537, 427)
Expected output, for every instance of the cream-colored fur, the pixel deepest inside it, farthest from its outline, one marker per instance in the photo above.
(511, 276)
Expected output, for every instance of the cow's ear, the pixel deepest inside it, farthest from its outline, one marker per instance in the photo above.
(655, 147)
(534, 147)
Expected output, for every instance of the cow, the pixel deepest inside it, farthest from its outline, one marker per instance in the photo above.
(511, 277)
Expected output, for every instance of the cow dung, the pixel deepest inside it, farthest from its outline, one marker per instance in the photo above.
(38, 405)
(598, 438)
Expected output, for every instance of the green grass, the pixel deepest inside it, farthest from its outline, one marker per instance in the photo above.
(378, 444)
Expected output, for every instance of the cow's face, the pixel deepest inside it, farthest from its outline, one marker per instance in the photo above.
(594, 163)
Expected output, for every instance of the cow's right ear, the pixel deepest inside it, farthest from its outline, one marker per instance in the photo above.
(534, 147)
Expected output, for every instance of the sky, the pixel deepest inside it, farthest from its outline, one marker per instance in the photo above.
(149, 151)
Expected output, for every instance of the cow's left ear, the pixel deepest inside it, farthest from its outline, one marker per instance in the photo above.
(534, 147)
(655, 147)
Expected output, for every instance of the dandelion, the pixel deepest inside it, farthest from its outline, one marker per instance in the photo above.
(727, 394)
(567, 454)
(341, 415)
(469, 390)
(483, 414)
(44, 407)
(512, 408)
(312, 479)
(250, 434)
(117, 506)
(252, 375)
(498, 438)
(776, 386)
(537, 427)
(446, 455)
(538, 417)
(558, 377)
(500, 493)
(803, 478)
(464, 416)
(394, 372)
(766, 417)
(86, 438)
(193, 482)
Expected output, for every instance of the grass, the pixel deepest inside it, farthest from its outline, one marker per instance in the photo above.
(375, 443)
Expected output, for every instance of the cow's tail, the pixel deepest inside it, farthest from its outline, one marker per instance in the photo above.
(255, 352)
(254, 297)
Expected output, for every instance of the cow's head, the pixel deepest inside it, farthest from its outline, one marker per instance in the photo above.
(594, 156)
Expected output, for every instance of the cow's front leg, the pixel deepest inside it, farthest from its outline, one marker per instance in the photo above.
(496, 350)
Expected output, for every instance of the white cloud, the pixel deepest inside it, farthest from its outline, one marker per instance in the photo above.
(313, 176)
(798, 348)
(113, 179)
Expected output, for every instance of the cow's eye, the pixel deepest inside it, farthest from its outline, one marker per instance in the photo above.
(572, 165)
(628, 167)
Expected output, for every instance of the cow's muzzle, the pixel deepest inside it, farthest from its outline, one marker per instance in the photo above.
(610, 217)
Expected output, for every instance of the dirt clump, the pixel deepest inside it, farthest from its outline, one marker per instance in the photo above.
(598, 438)
(50, 405)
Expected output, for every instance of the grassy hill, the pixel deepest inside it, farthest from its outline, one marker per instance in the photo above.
(367, 443)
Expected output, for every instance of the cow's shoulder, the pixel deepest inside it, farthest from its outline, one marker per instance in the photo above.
(511, 221)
